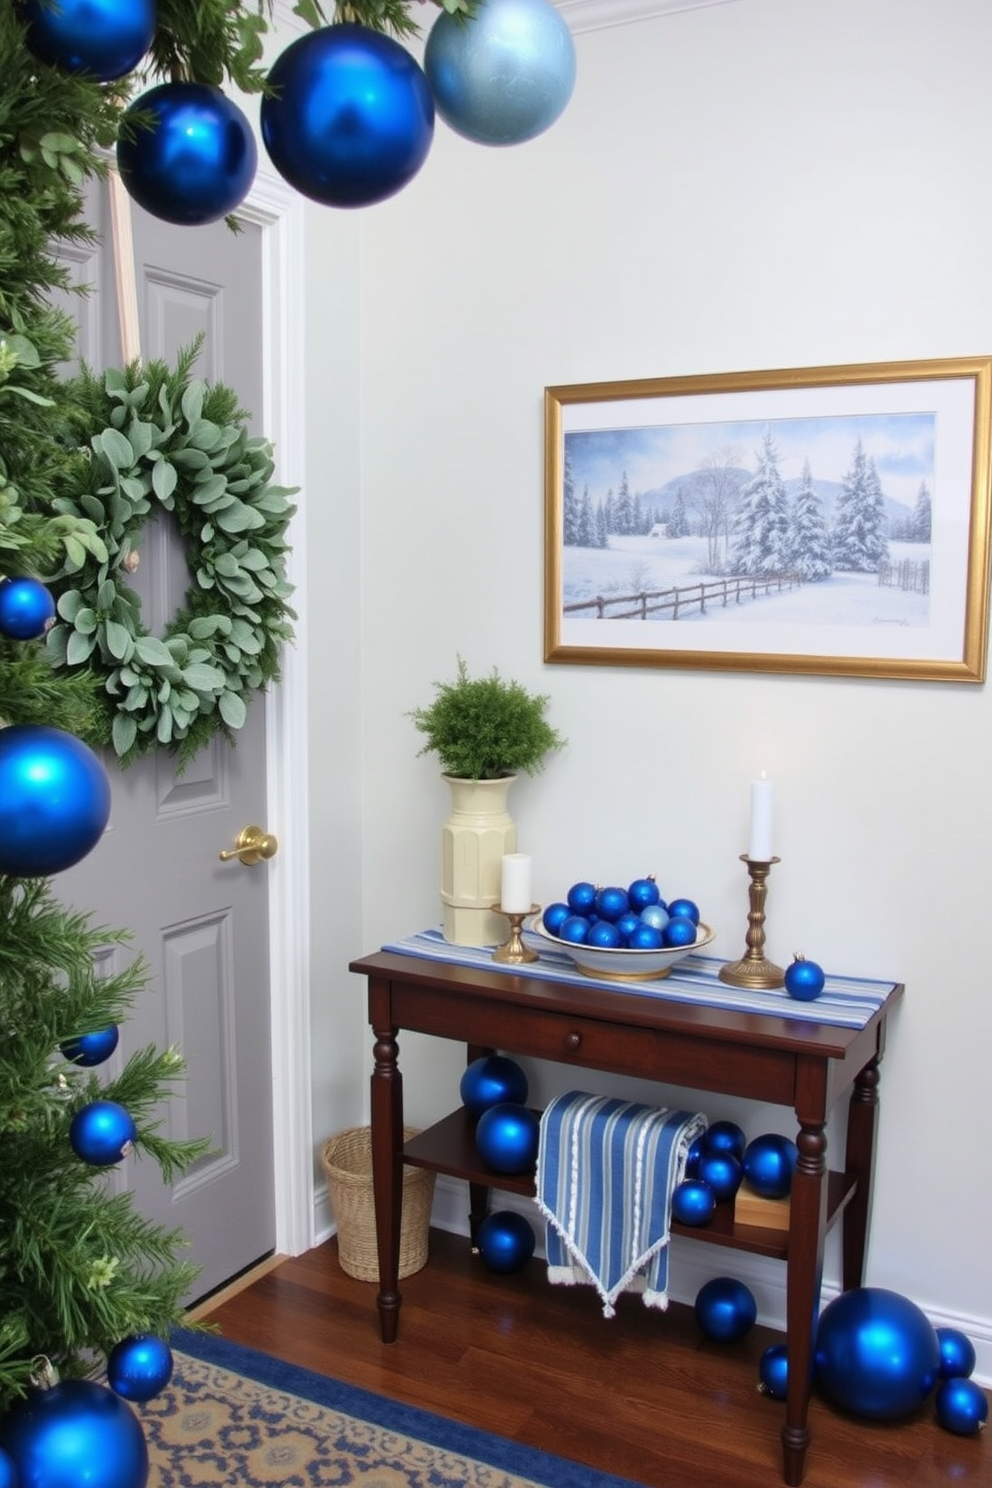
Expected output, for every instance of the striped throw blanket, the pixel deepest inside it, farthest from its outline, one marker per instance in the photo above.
(606, 1169)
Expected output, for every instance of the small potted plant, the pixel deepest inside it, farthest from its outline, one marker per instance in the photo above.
(485, 731)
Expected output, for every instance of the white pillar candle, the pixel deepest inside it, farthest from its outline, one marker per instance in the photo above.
(515, 891)
(759, 848)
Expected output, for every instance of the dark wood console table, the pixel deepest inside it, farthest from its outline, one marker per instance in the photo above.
(805, 1065)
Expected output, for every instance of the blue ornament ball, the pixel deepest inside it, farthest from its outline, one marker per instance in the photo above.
(769, 1162)
(646, 938)
(196, 159)
(491, 1081)
(575, 929)
(139, 1368)
(804, 980)
(554, 917)
(773, 1372)
(957, 1353)
(54, 800)
(722, 1172)
(725, 1309)
(643, 893)
(507, 1137)
(679, 931)
(684, 908)
(8, 1470)
(611, 902)
(581, 898)
(102, 38)
(505, 1241)
(961, 1406)
(725, 1136)
(655, 915)
(91, 1048)
(504, 76)
(351, 118)
(101, 1132)
(27, 609)
(77, 1435)
(876, 1353)
(604, 935)
(693, 1202)
(694, 1155)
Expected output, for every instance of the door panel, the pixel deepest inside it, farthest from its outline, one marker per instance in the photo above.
(201, 924)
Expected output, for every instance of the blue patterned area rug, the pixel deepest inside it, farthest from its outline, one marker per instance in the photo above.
(234, 1416)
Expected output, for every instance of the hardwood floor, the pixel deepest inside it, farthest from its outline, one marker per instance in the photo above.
(644, 1396)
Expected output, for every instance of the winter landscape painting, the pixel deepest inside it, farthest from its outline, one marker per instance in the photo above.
(821, 520)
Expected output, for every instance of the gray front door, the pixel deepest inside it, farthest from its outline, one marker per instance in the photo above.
(201, 924)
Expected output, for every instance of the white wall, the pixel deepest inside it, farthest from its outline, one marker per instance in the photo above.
(762, 184)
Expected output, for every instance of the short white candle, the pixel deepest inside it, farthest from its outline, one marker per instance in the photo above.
(515, 892)
(762, 802)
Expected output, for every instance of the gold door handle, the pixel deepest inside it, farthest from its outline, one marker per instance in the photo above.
(250, 846)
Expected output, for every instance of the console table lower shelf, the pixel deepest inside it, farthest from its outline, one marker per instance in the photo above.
(805, 1065)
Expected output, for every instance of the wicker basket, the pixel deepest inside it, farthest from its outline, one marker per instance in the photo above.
(347, 1163)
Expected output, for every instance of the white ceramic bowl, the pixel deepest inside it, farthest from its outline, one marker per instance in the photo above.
(625, 965)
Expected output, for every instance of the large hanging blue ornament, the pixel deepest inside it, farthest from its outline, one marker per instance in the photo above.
(139, 1368)
(54, 800)
(877, 1354)
(725, 1309)
(78, 1434)
(350, 118)
(193, 159)
(91, 1048)
(27, 609)
(505, 1241)
(102, 38)
(490, 1080)
(102, 1132)
(503, 76)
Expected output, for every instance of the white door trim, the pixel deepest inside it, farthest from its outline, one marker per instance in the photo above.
(279, 211)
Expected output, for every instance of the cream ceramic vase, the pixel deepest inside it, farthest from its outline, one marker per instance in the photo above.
(474, 837)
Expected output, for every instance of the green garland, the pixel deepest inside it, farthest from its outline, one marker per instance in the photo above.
(159, 439)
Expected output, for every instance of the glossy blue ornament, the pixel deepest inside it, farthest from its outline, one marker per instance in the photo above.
(491, 1081)
(722, 1172)
(611, 902)
(505, 1241)
(76, 1435)
(507, 1137)
(876, 1353)
(575, 929)
(961, 1406)
(642, 893)
(693, 1202)
(554, 917)
(769, 1162)
(725, 1136)
(686, 907)
(679, 931)
(725, 1309)
(54, 800)
(694, 1155)
(773, 1371)
(351, 120)
(27, 609)
(957, 1353)
(195, 162)
(91, 1048)
(102, 38)
(8, 1470)
(804, 980)
(139, 1368)
(505, 75)
(101, 1132)
(581, 898)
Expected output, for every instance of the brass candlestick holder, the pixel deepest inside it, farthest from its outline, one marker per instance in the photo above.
(513, 952)
(754, 969)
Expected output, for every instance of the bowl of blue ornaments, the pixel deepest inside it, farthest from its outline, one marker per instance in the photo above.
(623, 933)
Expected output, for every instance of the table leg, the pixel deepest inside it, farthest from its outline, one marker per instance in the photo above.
(387, 1175)
(478, 1193)
(859, 1160)
(808, 1217)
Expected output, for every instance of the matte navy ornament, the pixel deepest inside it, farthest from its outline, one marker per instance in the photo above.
(804, 980)
(876, 1353)
(491, 1080)
(54, 800)
(193, 160)
(91, 1048)
(693, 1202)
(104, 39)
(769, 1162)
(962, 1406)
(505, 75)
(957, 1353)
(102, 1132)
(78, 1434)
(350, 120)
(27, 609)
(505, 1241)
(725, 1309)
(139, 1368)
(507, 1137)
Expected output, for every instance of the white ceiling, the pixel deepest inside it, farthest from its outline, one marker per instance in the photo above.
(596, 15)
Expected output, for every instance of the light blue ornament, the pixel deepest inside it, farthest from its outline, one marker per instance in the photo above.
(503, 76)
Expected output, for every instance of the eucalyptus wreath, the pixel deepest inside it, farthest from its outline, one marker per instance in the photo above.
(152, 439)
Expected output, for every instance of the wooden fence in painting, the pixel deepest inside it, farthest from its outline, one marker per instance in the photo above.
(911, 574)
(674, 603)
